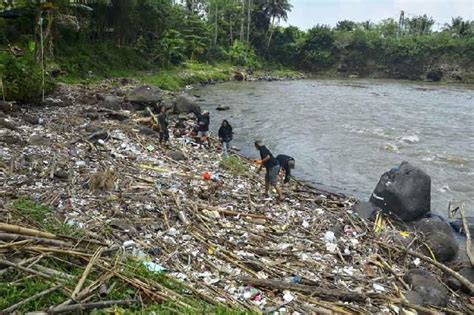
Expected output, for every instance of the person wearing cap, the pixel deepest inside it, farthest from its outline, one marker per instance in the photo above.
(287, 163)
(272, 168)
(203, 123)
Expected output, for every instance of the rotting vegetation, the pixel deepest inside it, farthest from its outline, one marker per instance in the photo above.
(94, 215)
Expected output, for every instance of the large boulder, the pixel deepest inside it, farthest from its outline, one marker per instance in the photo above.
(404, 192)
(112, 102)
(427, 287)
(439, 238)
(144, 96)
(365, 210)
(186, 105)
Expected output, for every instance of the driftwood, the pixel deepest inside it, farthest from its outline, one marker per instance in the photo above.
(90, 306)
(25, 231)
(307, 289)
(444, 268)
(29, 299)
(468, 236)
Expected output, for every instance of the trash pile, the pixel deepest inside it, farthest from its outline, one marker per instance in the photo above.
(179, 212)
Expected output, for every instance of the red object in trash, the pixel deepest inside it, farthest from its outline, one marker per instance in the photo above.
(206, 176)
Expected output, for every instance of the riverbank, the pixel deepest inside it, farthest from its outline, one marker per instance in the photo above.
(89, 176)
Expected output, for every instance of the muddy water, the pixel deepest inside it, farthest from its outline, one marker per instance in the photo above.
(345, 134)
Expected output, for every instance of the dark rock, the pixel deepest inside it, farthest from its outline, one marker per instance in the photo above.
(404, 192)
(431, 291)
(177, 155)
(455, 284)
(99, 135)
(4, 123)
(222, 108)
(366, 210)
(12, 139)
(6, 107)
(239, 76)
(61, 174)
(144, 96)
(185, 105)
(434, 75)
(414, 298)
(458, 227)
(147, 131)
(112, 102)
(100, 97)
(154, 251)
(439, 237)
(124, 81)
(32, 119)
(38, 140)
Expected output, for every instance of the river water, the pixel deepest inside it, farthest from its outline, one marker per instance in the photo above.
(345, 133)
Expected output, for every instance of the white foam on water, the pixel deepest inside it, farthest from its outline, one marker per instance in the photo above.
(410, 139)
(444, 189)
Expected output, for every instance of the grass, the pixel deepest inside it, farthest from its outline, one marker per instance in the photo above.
(190, 73)
(43, 217)
(234, 165)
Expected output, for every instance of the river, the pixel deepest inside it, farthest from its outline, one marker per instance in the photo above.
(345, 133)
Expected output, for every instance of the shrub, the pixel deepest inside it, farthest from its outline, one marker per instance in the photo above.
(23, 79)
(234, 165)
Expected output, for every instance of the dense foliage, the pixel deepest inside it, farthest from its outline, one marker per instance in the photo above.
(86, 38)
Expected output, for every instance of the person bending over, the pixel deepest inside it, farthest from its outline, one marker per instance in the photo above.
(272, 168)
(287, 163)
(203, 123)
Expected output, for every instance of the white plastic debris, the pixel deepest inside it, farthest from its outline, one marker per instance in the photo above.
(329, 237)
(378, 288)
(305, 224)
(129, 243)
(331, 247)
(288, 297)
(417, 261)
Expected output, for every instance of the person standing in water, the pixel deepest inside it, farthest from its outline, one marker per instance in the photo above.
(225, 137)
(163, 122)
(287, 163)
(272, 168)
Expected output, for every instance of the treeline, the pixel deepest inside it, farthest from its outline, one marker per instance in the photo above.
(92, 37)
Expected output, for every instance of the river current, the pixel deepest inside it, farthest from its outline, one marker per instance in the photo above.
(345, 133)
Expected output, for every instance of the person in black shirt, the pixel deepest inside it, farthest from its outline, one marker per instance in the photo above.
(203, 123)
(163, 122)
(272, 168)
(287, 163)
(225, 137)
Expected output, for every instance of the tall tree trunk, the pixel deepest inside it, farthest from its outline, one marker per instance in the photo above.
(272, 29)
(215, 31)
(242, 22)
(248, 21)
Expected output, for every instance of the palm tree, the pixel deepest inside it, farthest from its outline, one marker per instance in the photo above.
(458, 27)
(276, 10)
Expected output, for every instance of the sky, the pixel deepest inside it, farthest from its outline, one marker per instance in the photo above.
(307, 13)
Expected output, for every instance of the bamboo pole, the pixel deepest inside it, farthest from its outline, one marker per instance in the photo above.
(86, 272)
(25, 231)
(468, 236)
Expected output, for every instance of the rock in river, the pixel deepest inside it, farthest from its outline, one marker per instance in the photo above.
(404, 192)
(427, 287)
(439, 237)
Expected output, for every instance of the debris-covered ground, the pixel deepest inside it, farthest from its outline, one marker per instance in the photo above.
(107, 208)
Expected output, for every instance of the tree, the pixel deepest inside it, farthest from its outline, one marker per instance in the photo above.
(459, 27)
(420, 25)
(346, 26)
(276, 10)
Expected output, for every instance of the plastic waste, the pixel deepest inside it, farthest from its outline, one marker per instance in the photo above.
(329, 237)
(151, 266)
